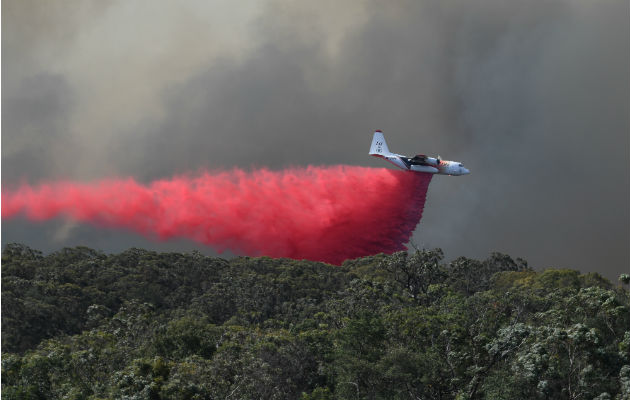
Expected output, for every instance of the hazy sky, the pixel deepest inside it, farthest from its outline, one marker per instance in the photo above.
(532, 96)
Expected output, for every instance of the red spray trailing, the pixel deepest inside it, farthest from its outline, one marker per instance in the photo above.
(318, 213)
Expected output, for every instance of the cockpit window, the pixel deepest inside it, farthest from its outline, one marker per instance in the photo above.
(461, 165)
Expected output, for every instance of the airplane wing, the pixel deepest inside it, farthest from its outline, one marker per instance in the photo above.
(421, 159)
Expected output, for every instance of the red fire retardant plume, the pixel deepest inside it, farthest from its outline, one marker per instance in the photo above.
(318, 213)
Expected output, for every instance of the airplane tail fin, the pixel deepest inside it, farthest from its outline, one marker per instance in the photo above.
(379, 146)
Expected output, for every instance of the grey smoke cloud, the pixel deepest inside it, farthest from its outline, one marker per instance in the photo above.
(532, 96)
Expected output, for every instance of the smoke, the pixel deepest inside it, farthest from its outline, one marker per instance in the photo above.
(532, 96)
(319, 213)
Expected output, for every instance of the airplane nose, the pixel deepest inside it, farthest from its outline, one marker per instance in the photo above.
(466, 171)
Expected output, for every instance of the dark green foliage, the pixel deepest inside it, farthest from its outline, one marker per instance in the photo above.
(80, 324)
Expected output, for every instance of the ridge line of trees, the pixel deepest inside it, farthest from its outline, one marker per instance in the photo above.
(81, 324)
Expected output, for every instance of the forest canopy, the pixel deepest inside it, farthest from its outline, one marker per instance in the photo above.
(81, 324)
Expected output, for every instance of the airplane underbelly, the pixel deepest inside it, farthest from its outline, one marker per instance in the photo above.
(396, 161)
(424, 168)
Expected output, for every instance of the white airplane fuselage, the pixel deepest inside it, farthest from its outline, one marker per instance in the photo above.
(418, 163)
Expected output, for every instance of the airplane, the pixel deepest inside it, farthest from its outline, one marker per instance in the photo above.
(418, 163)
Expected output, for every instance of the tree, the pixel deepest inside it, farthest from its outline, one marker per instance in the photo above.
(416, 272)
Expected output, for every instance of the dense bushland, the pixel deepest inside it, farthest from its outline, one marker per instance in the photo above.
(80, 324)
